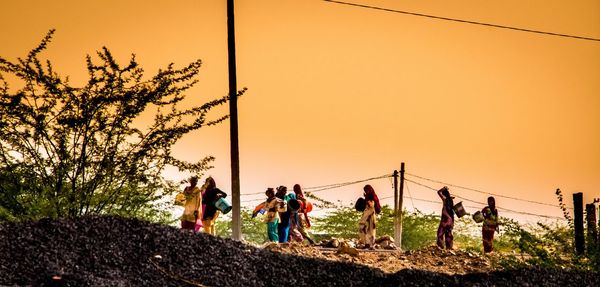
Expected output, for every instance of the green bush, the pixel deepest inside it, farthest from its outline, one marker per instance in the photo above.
(68, 151)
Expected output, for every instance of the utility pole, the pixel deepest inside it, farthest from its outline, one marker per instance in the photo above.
(236, 232)
(397, 233)
(400, 199)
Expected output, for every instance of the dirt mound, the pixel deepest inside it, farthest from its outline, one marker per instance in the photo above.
(112, 251)
(389, 261)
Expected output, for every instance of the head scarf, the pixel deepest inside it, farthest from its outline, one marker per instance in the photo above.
(298, 191)
(270, 193)
(210, 183)
(493, 205)
(371, 195)
(448, 202)
(281, 191)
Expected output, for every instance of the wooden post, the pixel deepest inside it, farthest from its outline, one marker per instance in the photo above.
(400, 199)
(236, 232)
(592, 233)
(396, 213)
(578, 222)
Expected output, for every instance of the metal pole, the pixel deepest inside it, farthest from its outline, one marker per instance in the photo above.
(578, 220)
(396, 213)
(236, 232)
(400, 199)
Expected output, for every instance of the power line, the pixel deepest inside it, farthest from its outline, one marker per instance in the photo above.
(338, 185)
(480, 191)
(522, 212)
(465, 21)
(482, 203)
(410, 196)
(313, 189)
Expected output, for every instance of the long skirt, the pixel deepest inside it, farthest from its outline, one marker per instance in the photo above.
(187, 225)
(209, 224)
(303, 231)
(488, 237)
(272, 231)
(283, 232)
(444, 234)
(367, 233)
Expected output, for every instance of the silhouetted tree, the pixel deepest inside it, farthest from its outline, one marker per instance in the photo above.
(72, 151)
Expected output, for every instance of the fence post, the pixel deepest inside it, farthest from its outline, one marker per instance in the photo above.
(592, 233)
(400, 199)
(397, 233)
(578, 222)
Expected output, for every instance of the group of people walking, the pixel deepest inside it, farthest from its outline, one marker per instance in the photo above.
(199, 209)
(286, 214)
(444, 233)
(371, 207)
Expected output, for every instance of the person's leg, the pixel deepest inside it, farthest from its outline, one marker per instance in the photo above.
(302, 231)
(206, 226)
(213, 222)
(188, 225)
(449, 236)
(488, 237)
(272, 231)
(440, 236)
(284, 233)
(372, 235)
(280, 232)
(362, 233)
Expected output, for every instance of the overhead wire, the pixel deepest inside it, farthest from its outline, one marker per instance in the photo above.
(465, 21)
(482, 203)
(328, 186)
(407, 180)
(480, 191)
(338, 185)
(410, 196)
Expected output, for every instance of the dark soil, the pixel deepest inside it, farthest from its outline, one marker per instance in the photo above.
(113, 251)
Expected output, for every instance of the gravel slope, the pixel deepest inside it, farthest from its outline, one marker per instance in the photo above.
(113, 251)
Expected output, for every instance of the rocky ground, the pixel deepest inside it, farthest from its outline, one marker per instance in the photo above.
(112, 251)
(391, 261)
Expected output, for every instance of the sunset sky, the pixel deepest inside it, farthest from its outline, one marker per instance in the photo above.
(339, 93)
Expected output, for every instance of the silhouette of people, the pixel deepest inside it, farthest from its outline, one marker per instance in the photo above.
(444, 233)
(192, 206)
(490, 224)
(368, 221)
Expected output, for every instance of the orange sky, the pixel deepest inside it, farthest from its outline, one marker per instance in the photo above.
(339, 93)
